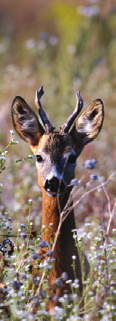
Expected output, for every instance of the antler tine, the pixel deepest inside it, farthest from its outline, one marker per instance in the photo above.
(48, 125)
(79, 105)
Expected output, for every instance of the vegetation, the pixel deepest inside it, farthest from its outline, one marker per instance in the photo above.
(78, 55)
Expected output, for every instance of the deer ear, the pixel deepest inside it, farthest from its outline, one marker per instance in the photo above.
(25, 121)
(88, 125)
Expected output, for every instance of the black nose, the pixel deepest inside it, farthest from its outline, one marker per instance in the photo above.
(54, 185)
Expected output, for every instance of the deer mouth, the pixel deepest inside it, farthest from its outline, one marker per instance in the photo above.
(54, 187)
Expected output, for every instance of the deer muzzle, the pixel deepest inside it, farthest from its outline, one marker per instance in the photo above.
(54, 186)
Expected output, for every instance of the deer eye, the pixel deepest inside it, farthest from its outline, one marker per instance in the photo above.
(72, 159)
(39, 158)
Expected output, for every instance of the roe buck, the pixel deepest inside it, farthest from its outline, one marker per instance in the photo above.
(56, 154)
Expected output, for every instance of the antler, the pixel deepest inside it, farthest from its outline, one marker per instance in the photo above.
(48, 125)
(79, 105)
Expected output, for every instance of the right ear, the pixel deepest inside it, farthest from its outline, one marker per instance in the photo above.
(26, 122)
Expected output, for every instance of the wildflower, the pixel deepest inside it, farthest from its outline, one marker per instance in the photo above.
(35, 256)
(89, 11)
(43, 243)
(31, 156)
(43, 312)
(74, 182)
(9, 227)
(53, 259)
(8, 232)
(53, 40)
(30, 43)
(43, 227)
(50, 253)
(6, 213)
(5, 153)
(2, 158)
(69, 281)
(93, 177)
(64, 276)
(55, 298)
(24, 235)
(74, 318)
(11, 131)
(90, 163)
(44, 36)
(43, 265)
(42, 294)
(30, 201)
(23, 226)
(16, 285)
(58, 312)
(61, 299)
(9, 218)
(58, 283)
(74, 236)
(75, 284)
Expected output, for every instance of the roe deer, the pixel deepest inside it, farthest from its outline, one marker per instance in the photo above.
(56, 154)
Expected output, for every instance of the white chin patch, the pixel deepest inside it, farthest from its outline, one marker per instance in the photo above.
(53, 194)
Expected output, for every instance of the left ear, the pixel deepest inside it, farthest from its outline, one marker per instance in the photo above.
(88, 125)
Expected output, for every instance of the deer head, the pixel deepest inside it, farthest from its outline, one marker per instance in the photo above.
(56, 152)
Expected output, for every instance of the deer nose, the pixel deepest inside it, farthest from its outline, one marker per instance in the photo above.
(54, 185)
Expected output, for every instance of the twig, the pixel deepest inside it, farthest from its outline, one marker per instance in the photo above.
(111, 218)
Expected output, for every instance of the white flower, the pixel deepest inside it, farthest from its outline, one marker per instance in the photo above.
(74, 257)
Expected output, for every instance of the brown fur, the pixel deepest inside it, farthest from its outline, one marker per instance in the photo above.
(65, 246)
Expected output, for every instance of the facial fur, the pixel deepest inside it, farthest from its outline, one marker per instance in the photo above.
(55, 151)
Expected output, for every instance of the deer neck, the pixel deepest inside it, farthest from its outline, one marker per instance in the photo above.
(65, 244)
(52, 208)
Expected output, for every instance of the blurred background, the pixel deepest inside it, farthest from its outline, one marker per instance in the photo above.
(65, 46)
